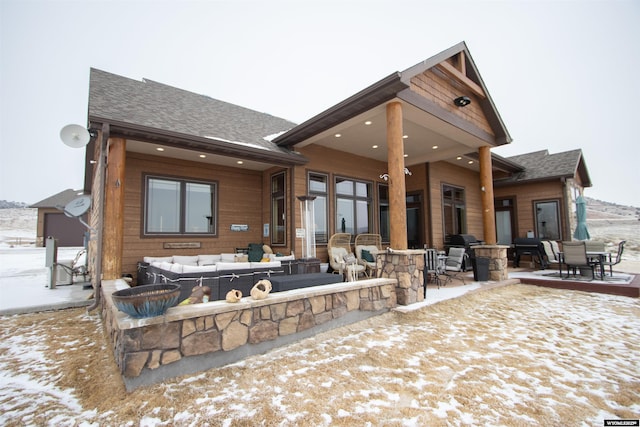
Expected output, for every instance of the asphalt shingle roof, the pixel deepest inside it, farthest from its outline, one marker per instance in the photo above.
(60, 199)
(114, 98)
(540, 165)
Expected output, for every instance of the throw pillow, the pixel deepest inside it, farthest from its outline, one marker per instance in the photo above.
(366, 255)
(349, 258)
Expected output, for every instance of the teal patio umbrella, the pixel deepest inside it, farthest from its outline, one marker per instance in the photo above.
(581, 233)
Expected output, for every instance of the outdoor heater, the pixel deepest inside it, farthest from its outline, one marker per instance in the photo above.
(308, 225)
(309, 263)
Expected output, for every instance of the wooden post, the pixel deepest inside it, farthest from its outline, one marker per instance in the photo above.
(397, 187)
(113, 226)
(486, 184)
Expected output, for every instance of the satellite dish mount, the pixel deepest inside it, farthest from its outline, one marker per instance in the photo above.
(76, 208)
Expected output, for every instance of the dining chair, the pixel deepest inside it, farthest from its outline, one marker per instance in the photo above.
(575, 256)
(611, 262)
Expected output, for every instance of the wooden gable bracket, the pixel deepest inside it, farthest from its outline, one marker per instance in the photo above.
(460, 74)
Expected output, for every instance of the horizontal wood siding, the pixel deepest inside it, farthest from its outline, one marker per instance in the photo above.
(335, 163)
(525, 195)
(442, 90)
(240, 201)
(447, 173)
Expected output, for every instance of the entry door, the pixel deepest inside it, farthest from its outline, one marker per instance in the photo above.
(414, 221)
(505, 226)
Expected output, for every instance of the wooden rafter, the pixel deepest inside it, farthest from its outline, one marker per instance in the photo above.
(460, 74)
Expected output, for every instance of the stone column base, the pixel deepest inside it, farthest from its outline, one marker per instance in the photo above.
(498, 261)
(407, 267)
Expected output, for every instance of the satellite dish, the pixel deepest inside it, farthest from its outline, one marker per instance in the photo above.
(75, 136)
(78, 207)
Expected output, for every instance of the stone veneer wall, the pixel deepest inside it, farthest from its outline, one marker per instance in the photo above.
(407, 268)
(189, 339)
(498, 261)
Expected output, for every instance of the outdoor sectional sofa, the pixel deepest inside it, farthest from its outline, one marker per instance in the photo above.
(224, 272)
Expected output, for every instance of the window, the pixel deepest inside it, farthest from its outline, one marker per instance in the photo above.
(175, 206)
(547, 220)
(353, 206)
(318, 187)
(278, 212)
(385, 227)
(454, 214)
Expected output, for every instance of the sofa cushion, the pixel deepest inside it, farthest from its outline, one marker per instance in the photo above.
(151, 259)
(225, 257)
(198, 268)
(185, 260)
(208, 259)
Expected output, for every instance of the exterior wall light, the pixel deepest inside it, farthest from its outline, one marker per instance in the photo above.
(462, 101)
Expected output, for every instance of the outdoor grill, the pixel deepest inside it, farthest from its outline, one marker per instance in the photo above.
(528, 246)
(466, 241)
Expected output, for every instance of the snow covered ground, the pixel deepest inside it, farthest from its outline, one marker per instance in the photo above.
(512, 356)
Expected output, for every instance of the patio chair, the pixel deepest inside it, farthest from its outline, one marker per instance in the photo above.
(341, 258)
(594, 245)
(575, 256)
(432, 266)
(611, 262)
(455, 263)
(367, 246)
(552, 256)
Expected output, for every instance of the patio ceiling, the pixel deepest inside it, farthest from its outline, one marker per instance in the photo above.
(427, 138)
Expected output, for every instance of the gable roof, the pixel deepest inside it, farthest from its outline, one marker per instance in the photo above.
(397, 85)
(541, 166)
(61, 199)
(152, 111)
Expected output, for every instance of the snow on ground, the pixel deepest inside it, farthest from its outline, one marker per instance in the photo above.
(517, 355)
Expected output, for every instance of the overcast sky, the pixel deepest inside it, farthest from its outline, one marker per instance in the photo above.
(563, 74)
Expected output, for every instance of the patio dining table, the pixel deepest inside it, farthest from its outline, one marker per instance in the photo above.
(600, 257)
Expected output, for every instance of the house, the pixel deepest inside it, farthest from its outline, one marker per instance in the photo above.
(408, 157)
(539, 196)
(52, 221)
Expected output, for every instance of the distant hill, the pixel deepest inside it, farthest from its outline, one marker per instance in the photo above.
(12, 205)
(598, 209)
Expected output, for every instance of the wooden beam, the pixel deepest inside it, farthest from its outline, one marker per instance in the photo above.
(113, 226)
(462, 78)
(397, 186)
(486, 183)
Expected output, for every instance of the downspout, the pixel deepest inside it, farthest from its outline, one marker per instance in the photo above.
(102, 168)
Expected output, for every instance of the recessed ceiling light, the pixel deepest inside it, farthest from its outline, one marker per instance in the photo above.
(202, 156)
(435, 147)
(406, 155)
(338, 135)
(470, 162)
(374, 146)
(368, 122)
(160, 149)
(405, 136)
(459, 158)
(240, 162)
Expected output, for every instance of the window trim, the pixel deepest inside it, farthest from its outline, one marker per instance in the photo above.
(558, 212)
(370, 199)
(326, 194)
(463, 226)
(183, 183)
(284, 208)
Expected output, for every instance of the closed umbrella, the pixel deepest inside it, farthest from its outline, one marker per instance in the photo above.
(581, 233)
